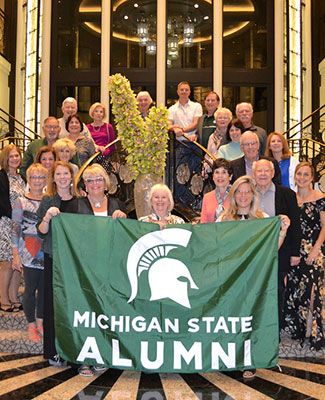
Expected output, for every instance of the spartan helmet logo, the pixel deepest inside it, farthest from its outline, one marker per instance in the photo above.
(149, 253)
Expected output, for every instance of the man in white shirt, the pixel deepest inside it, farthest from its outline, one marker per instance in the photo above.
(183, 118)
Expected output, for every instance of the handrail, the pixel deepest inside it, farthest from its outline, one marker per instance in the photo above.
(199, 146)
(303, 120)
(90, 159)
(309, 139)
(20, 123)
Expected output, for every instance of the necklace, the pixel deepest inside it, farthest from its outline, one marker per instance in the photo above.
(97, 128)
(97, 204)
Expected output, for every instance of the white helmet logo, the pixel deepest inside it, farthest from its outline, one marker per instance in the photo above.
(149, 253)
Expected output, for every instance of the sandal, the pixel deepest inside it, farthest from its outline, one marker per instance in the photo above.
(9, 309)
(98, 368)
(85, 370)
(16, 307)
(249, 373)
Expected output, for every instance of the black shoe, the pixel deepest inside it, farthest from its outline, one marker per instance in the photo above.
(57, 361)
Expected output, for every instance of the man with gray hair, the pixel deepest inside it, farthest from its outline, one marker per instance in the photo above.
(279, 200)
(244, 112)
(249, 145)
(51, 130)
(70, 107)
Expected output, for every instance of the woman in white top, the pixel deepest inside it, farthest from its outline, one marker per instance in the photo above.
(161, 203)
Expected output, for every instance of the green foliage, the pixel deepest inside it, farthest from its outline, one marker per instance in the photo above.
(145, 141)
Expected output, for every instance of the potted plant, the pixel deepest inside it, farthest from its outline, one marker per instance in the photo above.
(145, 141)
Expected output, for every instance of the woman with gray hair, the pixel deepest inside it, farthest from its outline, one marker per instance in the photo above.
(144, 102)
(161, 203)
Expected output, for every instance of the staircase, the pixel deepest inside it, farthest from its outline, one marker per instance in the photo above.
(14, 337)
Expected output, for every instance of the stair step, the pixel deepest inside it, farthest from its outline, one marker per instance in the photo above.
(13, 321)
(17, 342)
(292, 348)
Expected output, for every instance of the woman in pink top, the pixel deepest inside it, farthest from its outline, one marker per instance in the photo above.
(101, 132)
(216, 201)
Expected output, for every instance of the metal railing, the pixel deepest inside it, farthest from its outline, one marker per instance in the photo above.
(14, 131)
(307, 144)
(2, 31)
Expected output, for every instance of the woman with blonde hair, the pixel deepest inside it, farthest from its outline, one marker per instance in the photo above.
(59, 192)
(101, 132)
(222, 118)
(278, 148)
(97, 203)
(161, 204)
(65, 149)
(243, 205)
(27, 249)
(12, 186)
(243, 201)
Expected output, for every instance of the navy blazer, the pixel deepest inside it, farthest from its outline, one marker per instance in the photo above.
(286, 203)
(81, 205)
(239, 169)
(5, 205)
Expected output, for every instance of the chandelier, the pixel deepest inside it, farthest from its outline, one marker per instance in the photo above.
(180, 31)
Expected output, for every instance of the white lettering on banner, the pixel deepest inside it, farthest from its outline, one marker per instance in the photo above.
(116, 360)
(246, 324)
(158, 362)
(90, 350)
(180, 352)
(125, 324)
(247, 353)
(217, 353)
(176, 349)
(193, 325)
(99, 321)
(79, 319)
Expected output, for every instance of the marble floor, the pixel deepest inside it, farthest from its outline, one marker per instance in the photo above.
(27, 376)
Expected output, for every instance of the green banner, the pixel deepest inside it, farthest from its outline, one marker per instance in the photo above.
(183, 299)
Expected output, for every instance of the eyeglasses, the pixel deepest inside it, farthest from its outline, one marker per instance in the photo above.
(249, 144)
(52, 126)
(99, 179)
(37, 177)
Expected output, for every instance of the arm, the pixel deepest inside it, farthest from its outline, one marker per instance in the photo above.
(315, 250)
(44, 214)
(17, 218)
(285, 223)
(204, 216)
(44, 224)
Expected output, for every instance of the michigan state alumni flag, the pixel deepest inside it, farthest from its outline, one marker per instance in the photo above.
(182, 299)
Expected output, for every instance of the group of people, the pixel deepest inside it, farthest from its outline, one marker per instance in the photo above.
(247, 173)
(69, 139)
